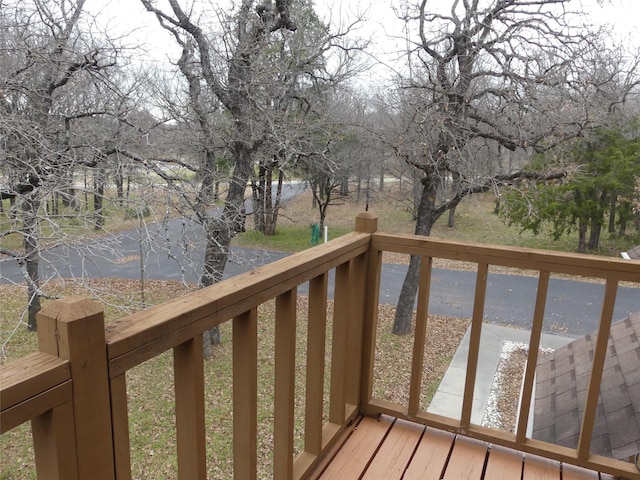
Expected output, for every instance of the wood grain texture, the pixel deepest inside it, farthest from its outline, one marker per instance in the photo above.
(431, 455)
(352, 460)
(466, 460)
(188, 367)
(285, 362)
(245, 395)
(519, 257)
(393, 457)
(31, 375)
(316, 335)
(539, 468)
(504, 464)
(79, 338)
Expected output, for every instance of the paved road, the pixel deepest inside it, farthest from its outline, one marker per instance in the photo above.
(573, 307)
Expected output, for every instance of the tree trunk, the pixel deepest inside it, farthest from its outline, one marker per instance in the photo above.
(314, 194)
(594, 236)
(272, 216)
(622, 230)
(455, 187)
(98, 196)
(30, 207)
(256, 202)
(323, 204)
(622, 222)
(425, 219)
(416, 187)
(259, 196)
(582, 236)
(215, 259)
(118, 178)
(612, 212)
(221, 230)
(265, 206)
(597, 221)
(344, 186)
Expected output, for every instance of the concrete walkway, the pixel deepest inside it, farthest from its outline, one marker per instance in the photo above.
(448, 398)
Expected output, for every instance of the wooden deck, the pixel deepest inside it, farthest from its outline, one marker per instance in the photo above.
(390, 448)
(75, 394)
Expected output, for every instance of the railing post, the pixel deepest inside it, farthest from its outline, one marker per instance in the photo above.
(367, 222)
(73, 329)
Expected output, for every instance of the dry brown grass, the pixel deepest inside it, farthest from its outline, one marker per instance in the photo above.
(389, 205)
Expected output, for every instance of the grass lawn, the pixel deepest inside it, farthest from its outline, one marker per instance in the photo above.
(474, 222)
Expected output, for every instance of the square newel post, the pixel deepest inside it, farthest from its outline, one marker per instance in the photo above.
(368, 278)
(73, 329)
(366, 222)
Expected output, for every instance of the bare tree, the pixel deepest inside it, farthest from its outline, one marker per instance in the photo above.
(252, 72)
(50, 81)
(505, 74)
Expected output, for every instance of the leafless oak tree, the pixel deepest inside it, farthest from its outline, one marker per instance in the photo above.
(53, 79)
(493, 76)
(257, 72)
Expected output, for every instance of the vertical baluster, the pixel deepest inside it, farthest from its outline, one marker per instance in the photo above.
(120, 415)
(370, 326)
(356, 292)
(339, 344)
(188, 365)
(316, 335)
(54, 443)
(532, 358)
(422, 313)
(245, 394)
(284, 385)
(474, 346)
(588, 418)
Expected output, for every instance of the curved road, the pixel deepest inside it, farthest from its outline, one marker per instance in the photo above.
(573, 307)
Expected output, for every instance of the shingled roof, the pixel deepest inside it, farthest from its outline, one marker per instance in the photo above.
(633, 254)
(562, 379)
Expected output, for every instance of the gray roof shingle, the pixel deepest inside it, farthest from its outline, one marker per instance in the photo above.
(562, 379)
(634, 253)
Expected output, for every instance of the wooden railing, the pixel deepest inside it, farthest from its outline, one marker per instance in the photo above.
(612, 271)
(74, 390)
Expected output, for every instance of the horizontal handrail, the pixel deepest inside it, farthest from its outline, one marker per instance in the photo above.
(31, 386)
(517, 257)
(144, 335)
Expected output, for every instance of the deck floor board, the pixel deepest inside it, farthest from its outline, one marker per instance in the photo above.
(467, 459)
(395, 453)
(432, 454)
(502, 460)
(389, 448)
(538, 468)
(356, 454)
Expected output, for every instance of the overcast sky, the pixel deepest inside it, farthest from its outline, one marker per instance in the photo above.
(382, 27)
